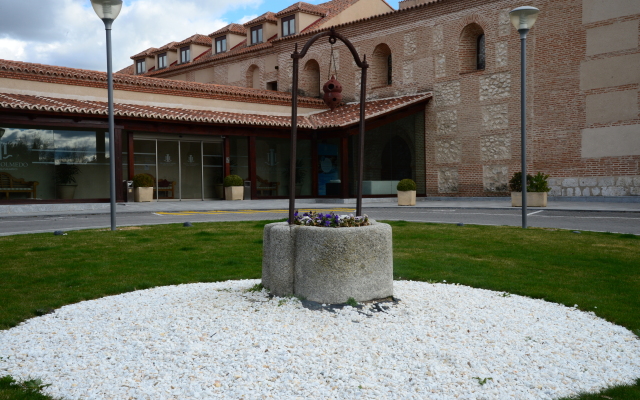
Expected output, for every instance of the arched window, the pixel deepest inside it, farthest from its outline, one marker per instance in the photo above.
(472, 49)
(253, 77)
(381, 66)
(310, 79)
(480, 52)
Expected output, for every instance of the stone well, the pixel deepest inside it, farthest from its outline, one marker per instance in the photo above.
(328, 265)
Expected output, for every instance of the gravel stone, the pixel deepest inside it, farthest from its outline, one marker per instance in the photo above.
(218, 341)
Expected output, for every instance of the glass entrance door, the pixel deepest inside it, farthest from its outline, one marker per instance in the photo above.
(168, 179)
(191, 170)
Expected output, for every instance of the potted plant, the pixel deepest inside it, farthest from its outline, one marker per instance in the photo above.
(233, 187)
(143, 187)
(406, 192)
(65, 175)
(537, 188)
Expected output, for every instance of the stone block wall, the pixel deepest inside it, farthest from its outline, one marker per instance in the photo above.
(609, 186)
(580, 123)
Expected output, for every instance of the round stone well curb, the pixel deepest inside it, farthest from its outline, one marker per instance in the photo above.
(328, 265)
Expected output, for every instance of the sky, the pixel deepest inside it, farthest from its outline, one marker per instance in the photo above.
(68, 33)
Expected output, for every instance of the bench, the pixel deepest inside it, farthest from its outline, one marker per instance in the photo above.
(9, 184)
(266, 188)
(165, 187)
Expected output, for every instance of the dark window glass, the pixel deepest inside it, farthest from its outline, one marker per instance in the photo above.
(389, 70)
(481, 53)
(288, 25)
(141, 67)
(162, 60)
(53, 164)
(221, 44)
(256, 34)
(185, 55)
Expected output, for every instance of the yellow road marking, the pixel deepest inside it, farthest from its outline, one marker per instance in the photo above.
(219, 212)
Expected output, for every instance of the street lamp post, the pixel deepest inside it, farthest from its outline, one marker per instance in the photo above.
(523, 19)
(108, 11)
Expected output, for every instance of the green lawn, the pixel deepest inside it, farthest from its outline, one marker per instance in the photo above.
(599, 272)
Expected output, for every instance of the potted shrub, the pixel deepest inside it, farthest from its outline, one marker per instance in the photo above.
(65, 175)
(537, 188)
(143, 187)
(406, 192)
(233, 187)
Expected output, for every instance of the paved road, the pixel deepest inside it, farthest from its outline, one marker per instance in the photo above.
(603, 221)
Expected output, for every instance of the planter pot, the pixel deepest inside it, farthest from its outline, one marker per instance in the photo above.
(142, 194)
(534, 199)
(66, 192)
(234, 192)
(406, 198)
(219, 191)
(328, 265)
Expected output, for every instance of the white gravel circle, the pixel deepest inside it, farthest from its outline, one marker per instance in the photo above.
(215, 340)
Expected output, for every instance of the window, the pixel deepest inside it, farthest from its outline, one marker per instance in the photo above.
(380, 65)
(221, 44)
(141, 67)
(256, 34)
(273, 85)
(162, 60)
(481, 54)
(185, 55)
(288, 25)
(471, 49)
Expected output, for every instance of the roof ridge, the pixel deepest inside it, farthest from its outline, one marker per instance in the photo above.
(240, 93)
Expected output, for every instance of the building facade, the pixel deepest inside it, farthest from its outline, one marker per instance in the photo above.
(443, 99)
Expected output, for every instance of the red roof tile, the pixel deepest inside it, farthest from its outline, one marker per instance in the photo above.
(266, 17)
(173, 46)
(196, 39)
(79, 77)
(236, 29)
(307, 8)
(128, 70)
(146, 53)
(342, 117)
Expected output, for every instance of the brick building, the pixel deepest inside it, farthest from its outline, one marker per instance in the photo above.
(444, 81)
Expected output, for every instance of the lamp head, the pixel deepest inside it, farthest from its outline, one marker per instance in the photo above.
(523, 18)
(107, 9)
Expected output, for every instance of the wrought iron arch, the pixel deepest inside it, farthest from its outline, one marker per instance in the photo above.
(333, 37)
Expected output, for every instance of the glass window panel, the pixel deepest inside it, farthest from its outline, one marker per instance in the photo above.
(329, 173)
(168, 171)
(144, 157)
(191, 163)
(53, 164)
(212, 161)
(239, 157)
(392, 153)
(272, 167)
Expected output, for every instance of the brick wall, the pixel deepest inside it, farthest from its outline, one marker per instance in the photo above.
(472, 125)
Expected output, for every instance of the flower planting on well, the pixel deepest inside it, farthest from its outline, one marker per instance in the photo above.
(329, 220)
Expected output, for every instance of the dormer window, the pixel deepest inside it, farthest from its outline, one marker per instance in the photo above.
(162, 60)
(185, 55)
(256, 34)
(221, 44)
(141, 67)
(289, 25)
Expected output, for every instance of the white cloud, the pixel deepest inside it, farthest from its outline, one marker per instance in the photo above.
(11, 49)
(68, 33)
(247, 18)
